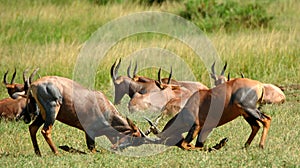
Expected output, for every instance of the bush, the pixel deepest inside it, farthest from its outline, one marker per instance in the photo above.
(210, 15)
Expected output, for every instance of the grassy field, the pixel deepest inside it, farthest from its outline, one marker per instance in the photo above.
(49, 35)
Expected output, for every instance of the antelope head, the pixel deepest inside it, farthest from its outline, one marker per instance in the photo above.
(121, 83)
(136, 137)
(14, 89)
(219, 79)
(31, 110)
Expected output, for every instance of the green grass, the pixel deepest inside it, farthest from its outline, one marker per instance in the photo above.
(50, 34)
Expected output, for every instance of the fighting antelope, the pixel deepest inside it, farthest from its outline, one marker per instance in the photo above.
(65, 100)
(208, 109)
(131, 85)
(272, 94)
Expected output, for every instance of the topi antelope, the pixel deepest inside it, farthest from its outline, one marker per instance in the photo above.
(131, 85)
(64, 100)
(14, 89)
(219, 79)
(155, 101)
(11, 108)
(272, 94)
(207, 109)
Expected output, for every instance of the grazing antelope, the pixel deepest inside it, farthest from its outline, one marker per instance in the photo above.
(14, 89)
(131, 85)
(65, 100)
(272, 94)
(155, 101)
(207, 109)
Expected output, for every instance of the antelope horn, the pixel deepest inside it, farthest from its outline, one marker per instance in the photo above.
(13, 77)
(128, 70)
(228, 77)
(224, 68)
(25, 80)
(170, 76)
(147, 138)
(32, 75)
(4, 78)
(242, 75)
(112, 75)
(213, 68)
(158, 75)
(135, 69)
(117, 68)
(153, 127)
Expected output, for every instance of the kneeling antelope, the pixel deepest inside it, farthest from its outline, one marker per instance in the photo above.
(208, 109)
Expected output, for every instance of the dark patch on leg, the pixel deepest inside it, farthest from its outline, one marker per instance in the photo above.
(219, 145)
(70, 149)
(90, 142)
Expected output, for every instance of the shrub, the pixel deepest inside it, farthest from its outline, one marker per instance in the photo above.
(210, 15)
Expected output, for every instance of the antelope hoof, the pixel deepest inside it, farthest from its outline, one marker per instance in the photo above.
(187, 146)
(261, 146)
(219, 145)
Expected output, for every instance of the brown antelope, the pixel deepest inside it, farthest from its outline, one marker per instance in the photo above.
(14, 89)
(155, 101)
(65, 100)
(131, 85)
(207, 109)
(272, 94)
(219, 79)
(11, 108)
(128, 85)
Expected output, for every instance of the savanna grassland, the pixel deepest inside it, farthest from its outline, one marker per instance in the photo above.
(49, 34)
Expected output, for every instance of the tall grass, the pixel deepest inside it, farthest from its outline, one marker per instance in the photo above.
(49, 34)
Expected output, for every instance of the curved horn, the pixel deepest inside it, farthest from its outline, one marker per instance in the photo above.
(170, 76)
(213, 68)
(117, 68)
(228, 77)
(25, 80)
(13, 77)
(135, 69)
(32, 75)
(112, 74)
(4, 78)
(153, 128)
(158, 76)
(242, 75)
(224, 68)
(128, 70)
(24, 75)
